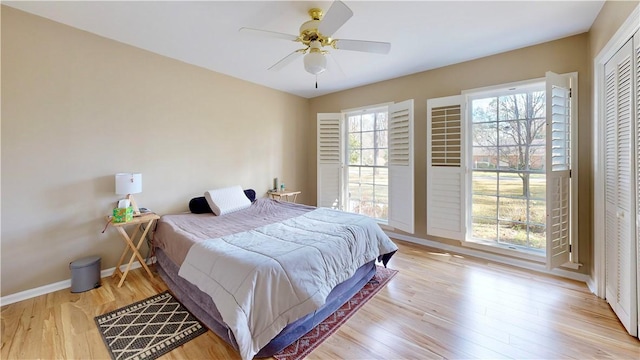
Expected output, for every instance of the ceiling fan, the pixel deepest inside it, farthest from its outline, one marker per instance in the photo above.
(316, 34)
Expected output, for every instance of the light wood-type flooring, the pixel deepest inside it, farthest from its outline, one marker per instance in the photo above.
(439, 305)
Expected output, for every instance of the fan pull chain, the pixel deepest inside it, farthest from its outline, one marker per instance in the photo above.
(316, 81)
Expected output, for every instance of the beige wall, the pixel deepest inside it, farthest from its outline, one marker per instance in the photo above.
(561, 56)
(78, 108)
(611, 17)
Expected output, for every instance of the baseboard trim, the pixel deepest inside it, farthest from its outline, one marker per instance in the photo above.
(493, 257)
(60, 285)
(591, 283)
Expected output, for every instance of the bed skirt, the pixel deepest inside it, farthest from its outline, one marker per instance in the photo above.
(201, 305)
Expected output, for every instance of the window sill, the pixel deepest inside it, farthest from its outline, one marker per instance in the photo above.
(571, 265)
(530, 255)
(385, 227)
(521, 253)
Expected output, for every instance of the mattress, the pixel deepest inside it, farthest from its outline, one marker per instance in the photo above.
(202, 307)
(175, 234)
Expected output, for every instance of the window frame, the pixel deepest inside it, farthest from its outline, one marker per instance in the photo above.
(533, 255)
(528, 86)
(345, 173)
(330, 141)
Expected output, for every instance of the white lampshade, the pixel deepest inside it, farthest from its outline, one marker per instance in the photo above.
(315, 62)
(128, 183)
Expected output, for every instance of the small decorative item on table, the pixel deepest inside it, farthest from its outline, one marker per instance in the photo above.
(121, 215)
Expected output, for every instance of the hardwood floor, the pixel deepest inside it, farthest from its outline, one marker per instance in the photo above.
(439, 305)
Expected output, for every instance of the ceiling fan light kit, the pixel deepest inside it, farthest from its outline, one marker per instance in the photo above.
(315, 62)
(316, 34)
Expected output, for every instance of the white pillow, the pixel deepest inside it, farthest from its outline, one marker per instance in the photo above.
(226, 200)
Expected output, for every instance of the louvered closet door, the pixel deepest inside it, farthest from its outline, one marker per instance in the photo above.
(445, 168)
(330, 155)
(636, 55)
(401, 169)
(620, 185)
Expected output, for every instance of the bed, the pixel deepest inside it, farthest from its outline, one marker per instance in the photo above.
(244, 276)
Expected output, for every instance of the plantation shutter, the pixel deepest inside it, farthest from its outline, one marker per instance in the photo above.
(330, 155)
(558, 163)
(445, 168)
(401, 167)
(620, 235)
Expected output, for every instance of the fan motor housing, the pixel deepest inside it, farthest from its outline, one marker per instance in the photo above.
(309, 30)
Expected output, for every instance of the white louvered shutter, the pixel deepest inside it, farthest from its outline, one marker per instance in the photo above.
(400, 162)
(330, 155)
(620, 234)
(445, 168)
(558, 163)
(636, 54)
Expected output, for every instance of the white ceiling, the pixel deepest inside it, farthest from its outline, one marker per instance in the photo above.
(423, 34)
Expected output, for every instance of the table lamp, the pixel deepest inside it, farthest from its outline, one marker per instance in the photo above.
(129, 184)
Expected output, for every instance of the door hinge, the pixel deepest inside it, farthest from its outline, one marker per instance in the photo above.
(570, 248)
(569, 172)
(570, 92)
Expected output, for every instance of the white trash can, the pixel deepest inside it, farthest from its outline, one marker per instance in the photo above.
(85, 274)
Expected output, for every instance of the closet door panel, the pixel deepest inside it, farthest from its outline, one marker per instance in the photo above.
(620, 184)
(636, 60)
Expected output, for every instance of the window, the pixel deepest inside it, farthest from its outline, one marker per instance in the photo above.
(508, 180)
(499, 166)
(367, 163)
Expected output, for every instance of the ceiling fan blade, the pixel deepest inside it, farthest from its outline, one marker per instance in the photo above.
(287, 60)
(364, 46)
(336, 16)
(267, 33)
(337, 64)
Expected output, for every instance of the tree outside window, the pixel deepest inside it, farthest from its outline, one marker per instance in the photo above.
(367, 164)
(508, 196)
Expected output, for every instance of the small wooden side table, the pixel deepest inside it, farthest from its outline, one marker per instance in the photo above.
(284, 194)
(138, 221)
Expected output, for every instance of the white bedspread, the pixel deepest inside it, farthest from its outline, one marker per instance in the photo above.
(263, 279)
